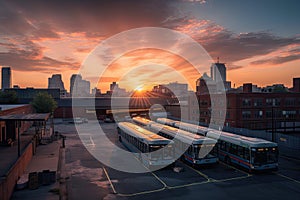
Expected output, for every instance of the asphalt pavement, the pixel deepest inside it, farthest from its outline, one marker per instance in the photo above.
(88, 178)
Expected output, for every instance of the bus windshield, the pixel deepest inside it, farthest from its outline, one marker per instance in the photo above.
(162, 152)
(265, 155)
(155, 153)
(203, 151)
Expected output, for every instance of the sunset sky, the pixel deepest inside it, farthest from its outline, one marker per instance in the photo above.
(258, 40)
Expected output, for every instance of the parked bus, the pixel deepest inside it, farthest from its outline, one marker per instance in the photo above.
(193, 128)
(155, 151)
(142, 121)
(193, 148)
(253, 154)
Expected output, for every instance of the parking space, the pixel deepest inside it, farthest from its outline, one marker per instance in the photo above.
(130, 183)
(215, 181)
(174, 179)
(222, 171)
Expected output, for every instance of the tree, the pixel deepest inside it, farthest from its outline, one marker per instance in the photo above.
(8, 97)
(44, 103)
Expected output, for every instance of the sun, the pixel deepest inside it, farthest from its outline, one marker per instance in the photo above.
(139, 88)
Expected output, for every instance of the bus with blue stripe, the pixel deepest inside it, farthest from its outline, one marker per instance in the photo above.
(195, 149)
(193, 128)
(253, 154)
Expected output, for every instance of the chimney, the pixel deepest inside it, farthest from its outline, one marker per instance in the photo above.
(296, 84)
(247, 87)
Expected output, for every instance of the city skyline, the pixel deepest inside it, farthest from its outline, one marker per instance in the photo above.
(56, 81)
(36, 44)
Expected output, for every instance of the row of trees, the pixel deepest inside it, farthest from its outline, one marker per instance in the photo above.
(42, 102)
(8, 97)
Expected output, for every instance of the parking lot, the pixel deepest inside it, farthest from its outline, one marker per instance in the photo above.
(219, 181)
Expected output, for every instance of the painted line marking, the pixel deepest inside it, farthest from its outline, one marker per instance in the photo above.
(234, 168)
(231, 179)
(198, 172)
(190, 184)
(289, 178)
(111, 184)
(141, 193)
(161, 181)
(288, 158)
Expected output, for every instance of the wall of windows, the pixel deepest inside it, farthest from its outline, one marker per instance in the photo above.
(234, 149)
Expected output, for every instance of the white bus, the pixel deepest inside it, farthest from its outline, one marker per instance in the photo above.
(193, 128)
(253, 154)
(193, 148)
(155, 151)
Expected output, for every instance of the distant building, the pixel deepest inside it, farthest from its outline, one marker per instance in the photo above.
(275, 88)
(116, 91)
(179, 89)
(216, 82)
(113, 86)
(6, 78)
(205, 84)
(248, 87)
(55, 82)
(79, 87)
(296, 84)
(218, 72)
(96, 92)
(175, 89)
(25, 95)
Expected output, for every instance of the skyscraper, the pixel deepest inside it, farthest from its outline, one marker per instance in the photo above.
(218, 72)
(79, 87)
(6, 78)
(55, 82)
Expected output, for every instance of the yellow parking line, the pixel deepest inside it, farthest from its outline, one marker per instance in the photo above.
(200, 173)
(289, 178)
(159, 179)
(234, 168)
(190, 184)
(288, 158)
(112, 186)
(231, 179)
(140, 193)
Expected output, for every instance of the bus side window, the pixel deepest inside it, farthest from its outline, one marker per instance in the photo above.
(241, 152)
(222, 145)
(247, 154)
(233, 149)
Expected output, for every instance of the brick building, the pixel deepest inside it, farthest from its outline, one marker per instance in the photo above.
(262, 111)
(7, 128)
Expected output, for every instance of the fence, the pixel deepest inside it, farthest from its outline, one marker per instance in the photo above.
(289, 145)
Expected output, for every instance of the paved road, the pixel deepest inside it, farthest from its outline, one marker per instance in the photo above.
(89, 179)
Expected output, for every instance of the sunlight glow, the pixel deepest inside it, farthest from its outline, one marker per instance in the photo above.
(139, 88)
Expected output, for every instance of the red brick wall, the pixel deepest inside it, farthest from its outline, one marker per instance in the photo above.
(8, 183)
